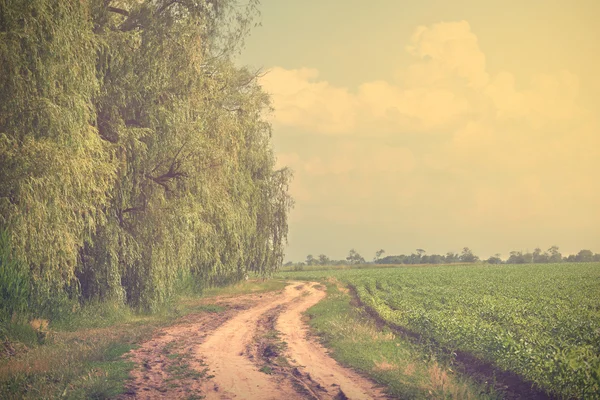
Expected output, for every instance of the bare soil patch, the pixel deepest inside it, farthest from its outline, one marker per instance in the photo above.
(258, 348)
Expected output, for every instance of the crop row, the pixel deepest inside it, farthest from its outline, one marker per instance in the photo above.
(539, 321)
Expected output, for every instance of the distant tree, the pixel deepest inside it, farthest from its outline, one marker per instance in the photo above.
(570, 258)
(554, 255)
(528, 258)
(378, 254)
(415, 258)
(468, 256)
(539, 257)
(324, 260)
(354, 257)
(516, 257)
(311, 260)
(436, 259)
(451, 257)
(584, 256)
(392, 260)
(495, 259)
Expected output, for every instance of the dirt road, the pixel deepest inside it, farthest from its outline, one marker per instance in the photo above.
(258, 349)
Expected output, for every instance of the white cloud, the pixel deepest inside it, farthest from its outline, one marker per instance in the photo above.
(448, 48)
(302, 101)
(416, 109)
(446, 85)
(445, 143)
(548, 99)
(446, 55)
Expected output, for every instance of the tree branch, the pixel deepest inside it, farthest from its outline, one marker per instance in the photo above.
(118, 11)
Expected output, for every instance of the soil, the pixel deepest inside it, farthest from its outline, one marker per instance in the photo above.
(258, 348)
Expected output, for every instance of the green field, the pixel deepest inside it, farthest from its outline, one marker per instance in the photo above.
(539, 321)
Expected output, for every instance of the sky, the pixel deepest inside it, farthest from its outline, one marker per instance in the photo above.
(434, 124)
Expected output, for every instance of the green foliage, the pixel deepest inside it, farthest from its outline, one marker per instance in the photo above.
(539, 321)
(56, 170)
(135, 153)
(93, 314)
(354, 257)
(14, 282)
(19, 332)
(406, 369)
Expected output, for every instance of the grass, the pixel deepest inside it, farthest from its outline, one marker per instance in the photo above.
(266, 369)
(81, 355)
(408, 369)
(246, 287)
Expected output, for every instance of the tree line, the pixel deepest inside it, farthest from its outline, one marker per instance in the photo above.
(420, 256)
(135, 155)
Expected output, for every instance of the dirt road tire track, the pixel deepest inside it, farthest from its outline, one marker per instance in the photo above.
(219, 350)
(311, 357)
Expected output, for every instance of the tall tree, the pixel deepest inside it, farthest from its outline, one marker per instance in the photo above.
(354, 257)
(56, 170)
(151, 162)
(555, 255)
(467, 256)
(324, 260)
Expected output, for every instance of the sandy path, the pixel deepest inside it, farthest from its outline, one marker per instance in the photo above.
(236, 377)
(313, 357)
(217, 355)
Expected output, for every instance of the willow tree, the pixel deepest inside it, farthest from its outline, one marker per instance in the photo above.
(56, 171)
(134, 151)
(196, 175)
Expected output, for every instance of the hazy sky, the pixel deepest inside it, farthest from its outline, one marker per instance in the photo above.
(435, 124)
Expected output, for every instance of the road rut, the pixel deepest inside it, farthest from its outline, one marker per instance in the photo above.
(220, 353)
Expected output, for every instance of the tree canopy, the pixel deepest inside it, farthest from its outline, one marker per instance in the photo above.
(135, 153)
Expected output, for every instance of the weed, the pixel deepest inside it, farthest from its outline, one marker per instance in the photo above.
(211, 308)
(195, 397)
(266, 369)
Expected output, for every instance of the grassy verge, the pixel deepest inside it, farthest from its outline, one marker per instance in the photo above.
(408, 369)
(247, 287)
(80, 356)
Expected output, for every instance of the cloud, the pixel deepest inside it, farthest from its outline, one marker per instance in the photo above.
(353, 157)
(444, 55)
(448, 48)
(550, 98)
(444, 144)
(302, 101)
(415, 109)
(445, 85)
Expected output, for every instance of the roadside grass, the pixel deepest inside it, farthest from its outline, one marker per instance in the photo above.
(81, 355)
(247, 287)
(407, 369)
(88, 365)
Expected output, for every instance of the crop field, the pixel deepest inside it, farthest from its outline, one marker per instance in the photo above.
(540, 321)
